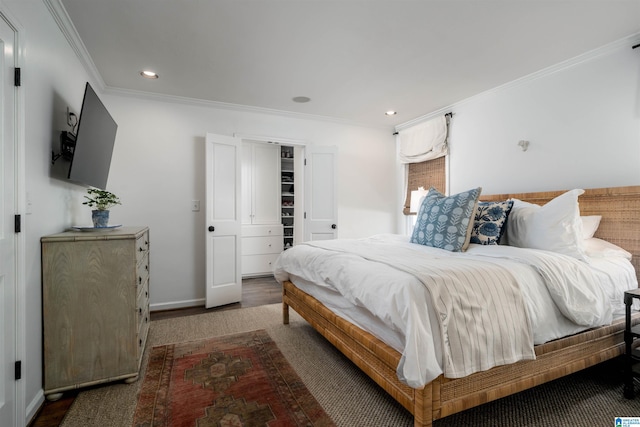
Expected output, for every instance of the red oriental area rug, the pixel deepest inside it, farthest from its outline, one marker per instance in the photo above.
(233, 380)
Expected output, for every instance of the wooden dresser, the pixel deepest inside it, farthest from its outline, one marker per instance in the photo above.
(95, 301)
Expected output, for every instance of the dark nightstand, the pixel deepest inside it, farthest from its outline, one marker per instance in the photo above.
(632, 355)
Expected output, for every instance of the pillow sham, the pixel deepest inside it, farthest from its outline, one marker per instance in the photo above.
(445, 222)
(554, 227)
(489, 222)
(590, 225)
(598, 248)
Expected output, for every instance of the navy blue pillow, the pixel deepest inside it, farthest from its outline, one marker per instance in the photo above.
(490, 222)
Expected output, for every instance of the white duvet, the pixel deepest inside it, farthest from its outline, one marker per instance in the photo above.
(395, 290)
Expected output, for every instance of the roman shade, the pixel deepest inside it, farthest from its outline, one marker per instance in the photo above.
(424, 141)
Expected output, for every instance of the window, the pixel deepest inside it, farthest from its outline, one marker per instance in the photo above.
(425, 174)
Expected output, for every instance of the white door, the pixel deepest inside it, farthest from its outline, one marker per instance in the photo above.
(223, 192)
(321, 210)
(8, 406)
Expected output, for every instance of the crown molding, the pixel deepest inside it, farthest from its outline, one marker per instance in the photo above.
(624, 43)
(60, 15)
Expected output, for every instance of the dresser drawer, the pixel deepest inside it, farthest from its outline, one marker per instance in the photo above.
(143, 301)
(142, 334)
(258, 264)
(262, 245)
(261, 230)
(142, 246)
(143, 271)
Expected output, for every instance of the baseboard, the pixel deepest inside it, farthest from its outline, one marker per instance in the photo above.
(177, 304)
(34, 406)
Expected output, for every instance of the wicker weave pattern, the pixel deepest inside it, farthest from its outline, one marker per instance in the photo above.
(620, 210)
(425, 174)
(375, 358)
(484, 386)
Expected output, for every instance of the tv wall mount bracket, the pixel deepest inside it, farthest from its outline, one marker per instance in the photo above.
(67, 140)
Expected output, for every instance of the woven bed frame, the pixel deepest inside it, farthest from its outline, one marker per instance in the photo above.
(620, 210)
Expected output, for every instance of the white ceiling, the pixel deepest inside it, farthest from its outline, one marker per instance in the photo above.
(355, 59)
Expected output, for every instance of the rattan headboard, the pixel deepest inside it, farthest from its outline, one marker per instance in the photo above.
(619, 207)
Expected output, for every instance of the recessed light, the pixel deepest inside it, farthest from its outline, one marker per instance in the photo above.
(148, 74)
(391, 113)
(301, 99)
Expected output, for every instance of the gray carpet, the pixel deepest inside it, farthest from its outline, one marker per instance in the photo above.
(590, 398)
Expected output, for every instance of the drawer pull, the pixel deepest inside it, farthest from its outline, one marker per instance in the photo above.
(140, 310)
(139, 280)
(140, 340)
(140, 249)
(146, 293)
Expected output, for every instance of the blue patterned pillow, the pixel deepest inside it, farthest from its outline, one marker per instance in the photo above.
(489, 222)
(445, 222)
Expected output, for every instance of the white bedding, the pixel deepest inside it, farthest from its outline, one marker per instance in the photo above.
(395, 305)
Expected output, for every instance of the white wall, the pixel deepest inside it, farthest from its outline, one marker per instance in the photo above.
(158, 168)
(52, 78)
(583, 124)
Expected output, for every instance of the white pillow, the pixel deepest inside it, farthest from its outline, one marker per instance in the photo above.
(554, 227)
(598, 248)
(590, 225)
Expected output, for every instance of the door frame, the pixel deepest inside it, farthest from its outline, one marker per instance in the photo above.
(20, 239)
(263, 138)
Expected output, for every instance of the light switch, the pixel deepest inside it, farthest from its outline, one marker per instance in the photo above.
(29, 204)
(195, 205)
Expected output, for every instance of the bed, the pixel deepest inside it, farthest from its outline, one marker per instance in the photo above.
(443, 396)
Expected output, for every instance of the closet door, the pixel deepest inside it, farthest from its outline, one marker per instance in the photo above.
(223, 251)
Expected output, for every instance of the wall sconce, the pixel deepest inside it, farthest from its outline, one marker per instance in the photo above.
(524, 145)
(416, 199)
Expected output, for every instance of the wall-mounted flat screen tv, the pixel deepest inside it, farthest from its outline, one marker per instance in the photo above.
(95, 137)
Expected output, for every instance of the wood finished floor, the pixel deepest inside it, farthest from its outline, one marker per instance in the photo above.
(255, 292)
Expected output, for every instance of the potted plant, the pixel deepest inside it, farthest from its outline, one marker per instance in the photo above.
(101, 200)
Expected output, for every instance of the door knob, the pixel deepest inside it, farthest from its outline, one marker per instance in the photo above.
(334, 226)
(212, 228)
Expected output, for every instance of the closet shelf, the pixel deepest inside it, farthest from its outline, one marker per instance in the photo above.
(287, 194)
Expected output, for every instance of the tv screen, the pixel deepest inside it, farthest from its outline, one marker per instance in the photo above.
(95, 137)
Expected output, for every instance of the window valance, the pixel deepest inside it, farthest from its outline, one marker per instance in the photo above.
(424, 141)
